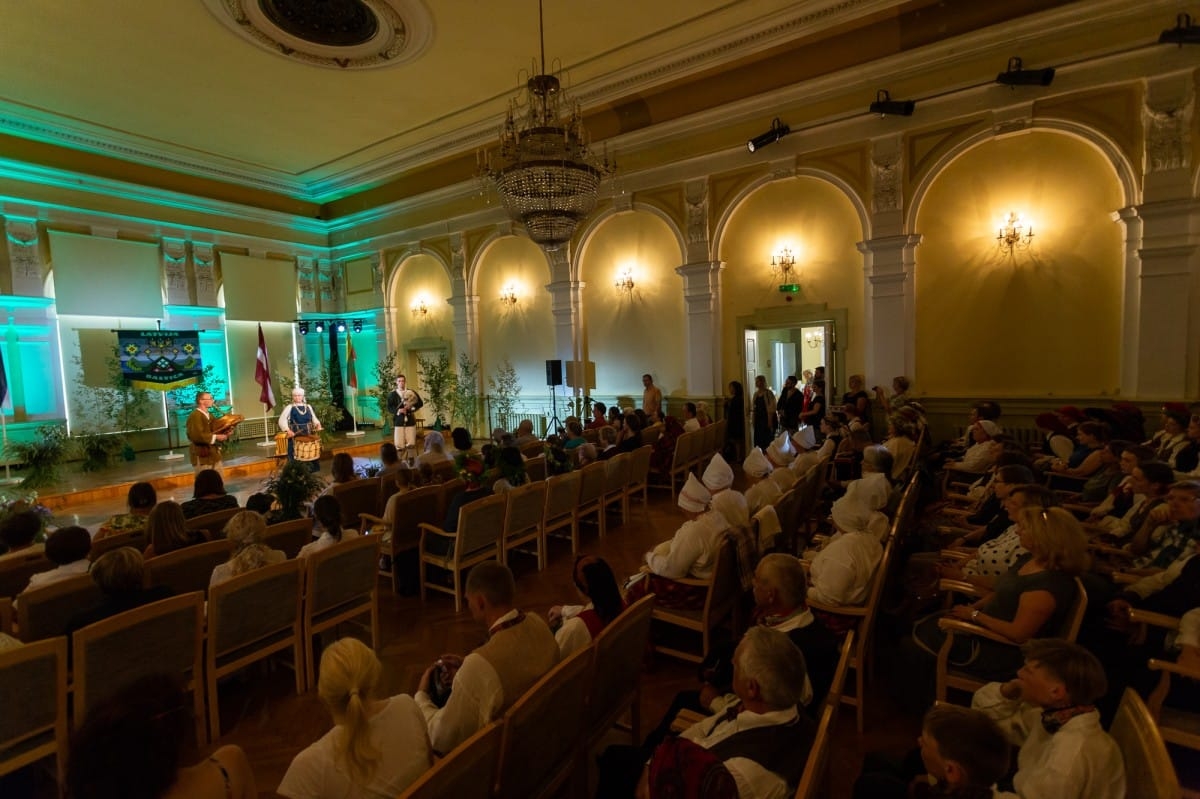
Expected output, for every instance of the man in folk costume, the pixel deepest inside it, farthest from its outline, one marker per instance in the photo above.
(403, 404)
(202, 447)
(298, 419)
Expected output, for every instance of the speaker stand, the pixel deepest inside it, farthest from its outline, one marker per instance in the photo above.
(554, 426)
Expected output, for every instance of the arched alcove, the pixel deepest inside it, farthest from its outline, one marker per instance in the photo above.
(1040, 321)
(420, 279)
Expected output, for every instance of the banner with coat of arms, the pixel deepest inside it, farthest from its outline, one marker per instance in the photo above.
(161, 360)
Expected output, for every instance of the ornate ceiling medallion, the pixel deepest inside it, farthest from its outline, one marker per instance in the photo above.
(340, 34)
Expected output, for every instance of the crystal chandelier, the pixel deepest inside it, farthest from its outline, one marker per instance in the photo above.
(544, 168)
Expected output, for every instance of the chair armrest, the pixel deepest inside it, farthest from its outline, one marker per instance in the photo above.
(961, 627)
(1174, 668)
(371, 517)
(954, 554)
(684, 719)
(839, 610)
(1155, 619)
(1122, 578)
(425, 527)
(948, 530)
(686, 581)
(960, 587)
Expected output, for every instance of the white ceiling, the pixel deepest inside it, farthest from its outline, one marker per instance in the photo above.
(165, 82)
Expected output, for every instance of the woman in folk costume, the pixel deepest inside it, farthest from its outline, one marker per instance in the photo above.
(691, 552)
(298, 419)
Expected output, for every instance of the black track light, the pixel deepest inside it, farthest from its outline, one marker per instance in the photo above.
(303, 328)
(357, 324)
(320, 326)
(341, 325)
(884, 105)
(1015, 75)
(778, 131)
(1183, 33)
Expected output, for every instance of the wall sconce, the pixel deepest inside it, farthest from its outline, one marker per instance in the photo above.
(1014, 234)
(509, 295)
(357, 325)
(624, 281)
(815, 339)
(420, 309)
(320, 326)
(303, 326)
(782, 263)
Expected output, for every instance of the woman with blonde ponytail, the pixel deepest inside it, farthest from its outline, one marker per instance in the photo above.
(377, 747)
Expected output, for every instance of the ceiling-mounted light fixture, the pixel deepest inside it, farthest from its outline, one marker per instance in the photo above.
(778, 131)
(884, 105)
(320, 326)
(1183, 33)
(1017, 75)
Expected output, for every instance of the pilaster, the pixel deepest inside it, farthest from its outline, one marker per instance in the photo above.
(25, 259)
(702, 306)
(890, 309)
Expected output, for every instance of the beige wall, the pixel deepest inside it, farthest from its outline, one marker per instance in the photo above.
(820, 225)
(523, 333)
(626, 335)
(1046, 321)
(420, 277)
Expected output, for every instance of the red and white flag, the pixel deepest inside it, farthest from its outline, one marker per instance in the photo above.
(351, 371)
(262, 373)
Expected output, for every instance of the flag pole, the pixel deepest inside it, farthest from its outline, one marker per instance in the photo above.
(262, 376)
(355, 433)
(267, 440)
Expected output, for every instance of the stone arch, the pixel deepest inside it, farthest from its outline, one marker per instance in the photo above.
(589, 230)
(477, 257)
(1122, 168)
(405, 254)
(860, 208)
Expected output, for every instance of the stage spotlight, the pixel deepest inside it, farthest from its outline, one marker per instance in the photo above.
(357, 325)
(1015, 75)
(884, 105)
(320, 326)
(341, 325)
(303, 328)
(1183, 33)
(778, 131)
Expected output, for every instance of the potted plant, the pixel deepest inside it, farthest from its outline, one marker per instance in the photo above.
(41, 456)
(465, 394)
(505, 388)
(385, 375)
(438, 379)
(293, 486)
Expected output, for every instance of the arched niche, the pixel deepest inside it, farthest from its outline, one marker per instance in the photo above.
(628, 333)
(420, 278)
(817, 221)
(522, 332)
(1042, 321)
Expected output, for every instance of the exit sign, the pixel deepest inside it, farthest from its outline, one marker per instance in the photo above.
(789, 288)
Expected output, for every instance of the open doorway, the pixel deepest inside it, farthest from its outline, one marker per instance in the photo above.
(777, 352)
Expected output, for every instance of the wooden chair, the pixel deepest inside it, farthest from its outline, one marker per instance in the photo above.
(1149, 773)
(542, 732)
(250, 617)
(212, 523)
(639, 477)
(837, 686)
(619, 650)
(17, 568)
(33, 693)
(450, 489)
(1178, 726)
(164, 636)
(523, 521)
(592, 480)
(948, 677)
(355, 497)
(533, 449)
(188, 569)
(289, 537)
(478, 539)
(6, 616)
(340, 584)
(562, 495)
(720, 604)
(408, 511)
(651, 434)
(387, 487)
(866, 615)
(681, 464)
(45, 612)
(812, 779)
(536, 468)
(444, 471)
(616, 481)
(133, 538)
(468, 772)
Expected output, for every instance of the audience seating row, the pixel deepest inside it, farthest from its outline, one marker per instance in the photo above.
(692, 453)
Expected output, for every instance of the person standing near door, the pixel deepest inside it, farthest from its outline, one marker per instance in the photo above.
(791, 403)
(764, 413)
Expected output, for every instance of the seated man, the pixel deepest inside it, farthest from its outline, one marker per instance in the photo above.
(690, 423)
(759, 752)
(1048, 712)
(524, 433)
(1171, 539)
(779, 604)
(519, 650)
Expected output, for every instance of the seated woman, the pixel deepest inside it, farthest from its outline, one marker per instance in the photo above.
(166, 530)
(574, 435)
(121, 577)
(435, 450)
(575, 626)
(997, 555)
(629, 437)
(836, 436)
(140, 501)
(608, 442)
(67, 548)
(208, 495)
(899, 397)
(1056, 437)
(511, 467)
(341, 470)
(1187, 458)
(982, 454)
(841, 571)
(328, 513)
(18, 531)
(245, 531)
(389, 459)
(662, 454)
(691, 552)
(702, 414)
(132, 744)
(460, 438)
(901, 442)
(1087, 458)
(379, 744)
(1149, 482)
(1030, 600)
(587, 454)
(1168, 441)
(1105, 480)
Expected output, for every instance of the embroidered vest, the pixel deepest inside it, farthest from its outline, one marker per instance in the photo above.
(780, 748)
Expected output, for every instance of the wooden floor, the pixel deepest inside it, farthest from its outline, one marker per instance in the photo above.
(261, 713)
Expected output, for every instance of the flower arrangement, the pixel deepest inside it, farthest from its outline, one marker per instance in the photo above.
(470, 468)
(27, 502)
